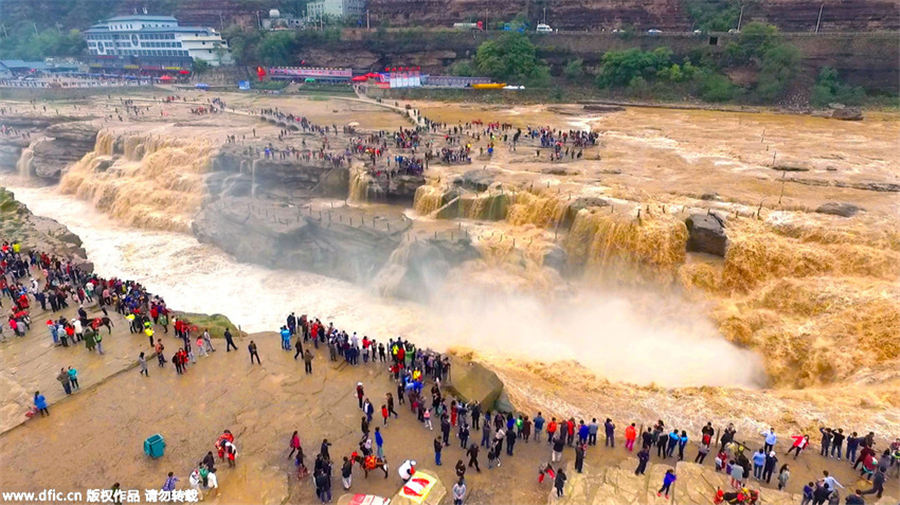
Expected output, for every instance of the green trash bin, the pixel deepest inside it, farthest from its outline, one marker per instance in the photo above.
(155, 446)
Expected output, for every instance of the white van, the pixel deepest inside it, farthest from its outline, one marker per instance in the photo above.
(543, 28)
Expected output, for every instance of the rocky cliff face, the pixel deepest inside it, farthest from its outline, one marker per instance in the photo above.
(48, 148)
(346, 242)
(60, 145)
(237, 173)
(669, 15)
(666, 15)
(335, 242)
(36, 232)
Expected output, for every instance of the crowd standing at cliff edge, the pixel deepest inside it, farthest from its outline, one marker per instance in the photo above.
(32, 278)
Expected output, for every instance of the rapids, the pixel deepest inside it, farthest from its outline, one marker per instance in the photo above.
(639, 337)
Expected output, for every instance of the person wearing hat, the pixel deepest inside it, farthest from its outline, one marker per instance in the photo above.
(769, 466)
(407, 469)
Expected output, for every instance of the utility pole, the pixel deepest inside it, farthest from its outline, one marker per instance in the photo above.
(819, 19)
(740, 17)
(368, 27)
(258, 21)
(545, 15)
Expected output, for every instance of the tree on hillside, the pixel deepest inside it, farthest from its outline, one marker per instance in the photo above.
(27, 45)
(200, 66)
(574, 69)
(243, 44)
(278, 48)
(511, 57)
(755, 39)
(829, 89)
(620, 68)
(777, 69)
(713, 15)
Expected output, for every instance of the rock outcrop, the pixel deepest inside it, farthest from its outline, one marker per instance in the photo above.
(417, 269)
(842, 209)
(471, 381)
(577, 205)
(706, 233)
(37, 232)
(60, 145)
(11, 151)
(236, 174)
(476, 180)
(343, 242)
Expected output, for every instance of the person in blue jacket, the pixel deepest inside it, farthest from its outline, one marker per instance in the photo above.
(583, 432)
(40, 403)
(682, 441)
(673, 441)
(759, 461)
(668, 480)
(285, 338)
(379, 443)
(538, 426)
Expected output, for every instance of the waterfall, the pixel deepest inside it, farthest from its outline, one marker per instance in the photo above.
(359, 185)
(25, 162)
(253, 179)
(146, 180)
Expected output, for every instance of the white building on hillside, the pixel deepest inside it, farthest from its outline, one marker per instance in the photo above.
(149, 37)
(336, 8)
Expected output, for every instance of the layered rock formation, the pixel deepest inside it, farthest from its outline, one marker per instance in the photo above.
(37, 232)
(668, 15)
(44, 146)
(60, 145)
(337, 242)
(234, 172)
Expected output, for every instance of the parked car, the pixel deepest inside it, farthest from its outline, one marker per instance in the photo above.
(544, 28)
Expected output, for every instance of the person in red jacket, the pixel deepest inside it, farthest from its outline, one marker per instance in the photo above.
(630, 436)
(551, 430)
(800, 443)
(570, 431)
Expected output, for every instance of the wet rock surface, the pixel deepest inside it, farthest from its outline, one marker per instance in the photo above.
(344, 242)
(61, 144)
(579, 204)
(417, 269)
(237, 173)
(706, 233)
(477, 180)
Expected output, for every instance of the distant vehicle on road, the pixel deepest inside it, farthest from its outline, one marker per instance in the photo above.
(654, 31)
(544, 28)
(468, 26)
(489, 85)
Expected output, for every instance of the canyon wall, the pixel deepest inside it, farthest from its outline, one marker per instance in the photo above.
(868, 60)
